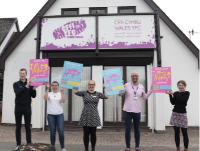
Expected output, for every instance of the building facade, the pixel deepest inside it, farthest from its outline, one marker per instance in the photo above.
(173, 49)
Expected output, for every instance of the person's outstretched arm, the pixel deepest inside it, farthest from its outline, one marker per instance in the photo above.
(146, 95)
(104, 89)
(46, 93)
(62, 95)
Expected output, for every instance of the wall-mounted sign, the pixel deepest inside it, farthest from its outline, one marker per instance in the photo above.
(39, 72)
(68, 33)
(127, 31)
(113, 81)
(71, 75)
(161, 79)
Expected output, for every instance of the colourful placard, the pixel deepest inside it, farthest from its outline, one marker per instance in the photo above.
(113, 81)
(161, 79)
(39, 72)
(71, 75)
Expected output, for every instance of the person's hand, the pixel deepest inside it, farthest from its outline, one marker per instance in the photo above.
(35, 87)
(62, 89)
(171, 92)
(48, 86)
(28, 82)
(151, 87)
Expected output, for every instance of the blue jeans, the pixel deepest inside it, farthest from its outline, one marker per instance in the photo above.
(128, 116)
(56, 120)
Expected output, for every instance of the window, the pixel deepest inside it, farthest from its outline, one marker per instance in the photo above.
(127, 10)
(98, 10)
(113, 106)
(70, 11)
(73, 106)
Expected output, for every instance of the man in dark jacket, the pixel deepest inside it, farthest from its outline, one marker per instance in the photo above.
(23, 93)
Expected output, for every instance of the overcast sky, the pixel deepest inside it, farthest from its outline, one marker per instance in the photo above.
(184, 13)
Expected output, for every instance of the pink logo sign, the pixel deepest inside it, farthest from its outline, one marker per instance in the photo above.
(113, 78)
(70, 29)
(73, 72)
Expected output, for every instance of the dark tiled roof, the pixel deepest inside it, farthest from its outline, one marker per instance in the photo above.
(14, 36)
(5, 26)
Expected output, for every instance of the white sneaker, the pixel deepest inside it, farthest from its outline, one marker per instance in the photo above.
(16, 148)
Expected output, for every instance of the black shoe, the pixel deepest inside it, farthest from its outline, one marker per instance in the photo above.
(86, 149)
(93, 149)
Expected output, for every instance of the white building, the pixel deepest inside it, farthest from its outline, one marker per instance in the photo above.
(9, 30)
(173, 50)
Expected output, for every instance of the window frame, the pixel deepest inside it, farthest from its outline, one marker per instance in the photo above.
(99, 8)
(126, 7)
(69, 9)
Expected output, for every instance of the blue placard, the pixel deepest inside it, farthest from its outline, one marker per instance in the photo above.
(71, 75)
(113, 81)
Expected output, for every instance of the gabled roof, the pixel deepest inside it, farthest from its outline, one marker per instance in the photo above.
(174, 28)
(12, 39)
(25, 31)
(151, 3)
(5, 26)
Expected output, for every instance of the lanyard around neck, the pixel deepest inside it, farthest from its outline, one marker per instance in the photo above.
(135, 92)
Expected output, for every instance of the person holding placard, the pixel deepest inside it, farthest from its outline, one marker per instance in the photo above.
(23, 94)
(134, 92)
(179, 115)
(55, 113)
(90, 116)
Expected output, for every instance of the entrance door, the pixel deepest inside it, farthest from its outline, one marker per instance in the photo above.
(142, 80)
(113, 107)
(56, 73)
(73, 105)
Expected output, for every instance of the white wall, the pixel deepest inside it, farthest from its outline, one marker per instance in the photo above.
(174, 54)
(18, 59)
(4, 43)
(184, 65)
(98, 78)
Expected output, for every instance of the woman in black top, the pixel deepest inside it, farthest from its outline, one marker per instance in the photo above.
(179, 115)
(90, 116)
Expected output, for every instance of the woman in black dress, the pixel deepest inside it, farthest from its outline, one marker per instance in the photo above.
(90, 116)
(179, 115)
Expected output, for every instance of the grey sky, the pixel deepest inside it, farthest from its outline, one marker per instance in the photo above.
(184, 13)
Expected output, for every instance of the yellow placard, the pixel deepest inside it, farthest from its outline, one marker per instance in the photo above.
(118, 87)
(73, 83)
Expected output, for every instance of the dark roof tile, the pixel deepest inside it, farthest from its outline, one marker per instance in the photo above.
(5, 25)
(14, 36)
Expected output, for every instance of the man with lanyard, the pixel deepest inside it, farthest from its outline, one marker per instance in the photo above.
(134, 92)
(23, 93)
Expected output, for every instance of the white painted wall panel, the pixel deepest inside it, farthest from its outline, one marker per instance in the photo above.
(184, 65)
(97, 76)
(18, 59)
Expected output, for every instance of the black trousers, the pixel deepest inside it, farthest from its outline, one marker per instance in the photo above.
(87, 131)
(19, 112)
(177, 136)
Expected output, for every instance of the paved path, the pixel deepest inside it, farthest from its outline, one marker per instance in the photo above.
(9, 146)
(106, 140)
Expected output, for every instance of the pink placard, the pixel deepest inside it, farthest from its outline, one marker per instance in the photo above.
(161, 79)
(39, 72)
